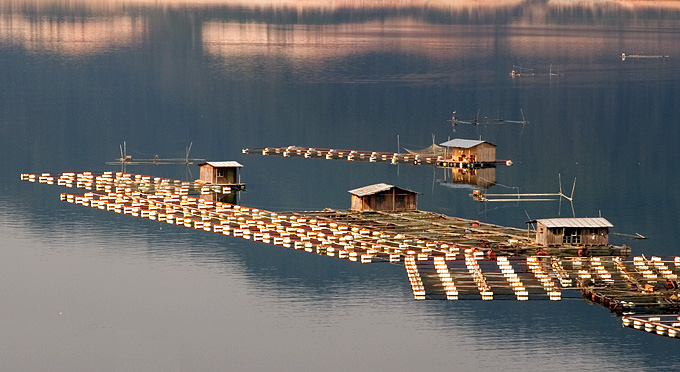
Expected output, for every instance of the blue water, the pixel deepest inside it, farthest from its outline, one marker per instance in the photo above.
(87, 290)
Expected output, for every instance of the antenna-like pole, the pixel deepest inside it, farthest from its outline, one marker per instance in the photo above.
(398, 149)
(186, 159)
(559, 208)
(571, 199)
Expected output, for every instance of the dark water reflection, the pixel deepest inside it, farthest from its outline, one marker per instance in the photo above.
(90, 290)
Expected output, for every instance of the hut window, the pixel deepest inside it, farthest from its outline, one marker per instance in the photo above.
(400, 198)
(220, 173)
(593, 232)
(380, 197)
(572, 236)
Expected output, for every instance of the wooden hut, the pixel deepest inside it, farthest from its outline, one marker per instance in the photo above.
(473, 151)
(573, 231)
(383, 197)
(220, 172)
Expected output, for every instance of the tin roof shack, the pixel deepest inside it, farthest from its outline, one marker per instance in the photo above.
(220, 179)
(383, 197)
(573, 231)
(220, 173)
(473, 151)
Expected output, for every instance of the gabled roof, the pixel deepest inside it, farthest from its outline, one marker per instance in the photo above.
(374, 189)
(222, 164)
(463, 143)
(593, 222)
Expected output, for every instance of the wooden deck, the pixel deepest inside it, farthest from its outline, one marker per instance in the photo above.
(662, 325)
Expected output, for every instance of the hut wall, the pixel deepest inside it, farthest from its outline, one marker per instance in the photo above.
(598, 236)
(358, 204)
(385, 201)
(548, 236)
(485, 152)
(410, 202)
(381, 201)
(586, 236)
(461, 154)
(225, 176)
(218, 176)
(207, 173)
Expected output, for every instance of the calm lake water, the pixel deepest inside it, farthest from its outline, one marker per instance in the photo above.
(84, 290)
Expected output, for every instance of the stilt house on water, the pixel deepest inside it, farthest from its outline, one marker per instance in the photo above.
(219, 179)
(465, 150)
(220, 173)
(383, 197)
(573, 231)
(461, 150)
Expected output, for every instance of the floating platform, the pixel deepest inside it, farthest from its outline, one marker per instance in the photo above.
(662, 325)
(454, 231)
(444, 257)
(128, 183)
(371, 157)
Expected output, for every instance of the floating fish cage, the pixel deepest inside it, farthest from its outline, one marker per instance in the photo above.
(373, 157)
(444, 257)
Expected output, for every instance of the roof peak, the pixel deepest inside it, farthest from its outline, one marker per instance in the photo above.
(575, 222)
(463, 143)
(376, 188)
(219, 164)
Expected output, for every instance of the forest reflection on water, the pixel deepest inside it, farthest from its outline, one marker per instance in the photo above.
(313, 36)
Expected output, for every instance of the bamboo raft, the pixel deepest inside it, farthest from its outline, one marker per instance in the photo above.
(371, 156)
(444, 257)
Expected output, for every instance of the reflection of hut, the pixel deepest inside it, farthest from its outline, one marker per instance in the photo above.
(480, 178)
(383, 197)
(220, 172)
(573, 231)
(466, 150)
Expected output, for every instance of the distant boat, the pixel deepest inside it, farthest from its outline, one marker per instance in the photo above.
(652, 56)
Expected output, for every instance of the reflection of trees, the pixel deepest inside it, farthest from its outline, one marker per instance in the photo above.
(607, 13)
(72, 36)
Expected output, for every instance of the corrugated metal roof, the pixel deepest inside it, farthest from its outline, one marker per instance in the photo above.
(374, 189)
(463, 143)
(222, 164)
(575, 222)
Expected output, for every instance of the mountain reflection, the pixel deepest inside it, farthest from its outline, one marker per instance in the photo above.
(278, 4)
(81, 36)
(473, 9)
(329, 41)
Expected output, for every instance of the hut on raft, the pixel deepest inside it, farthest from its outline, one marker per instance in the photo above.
(461, 150)
(573, 231)
(220, 172)
(383, 197)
